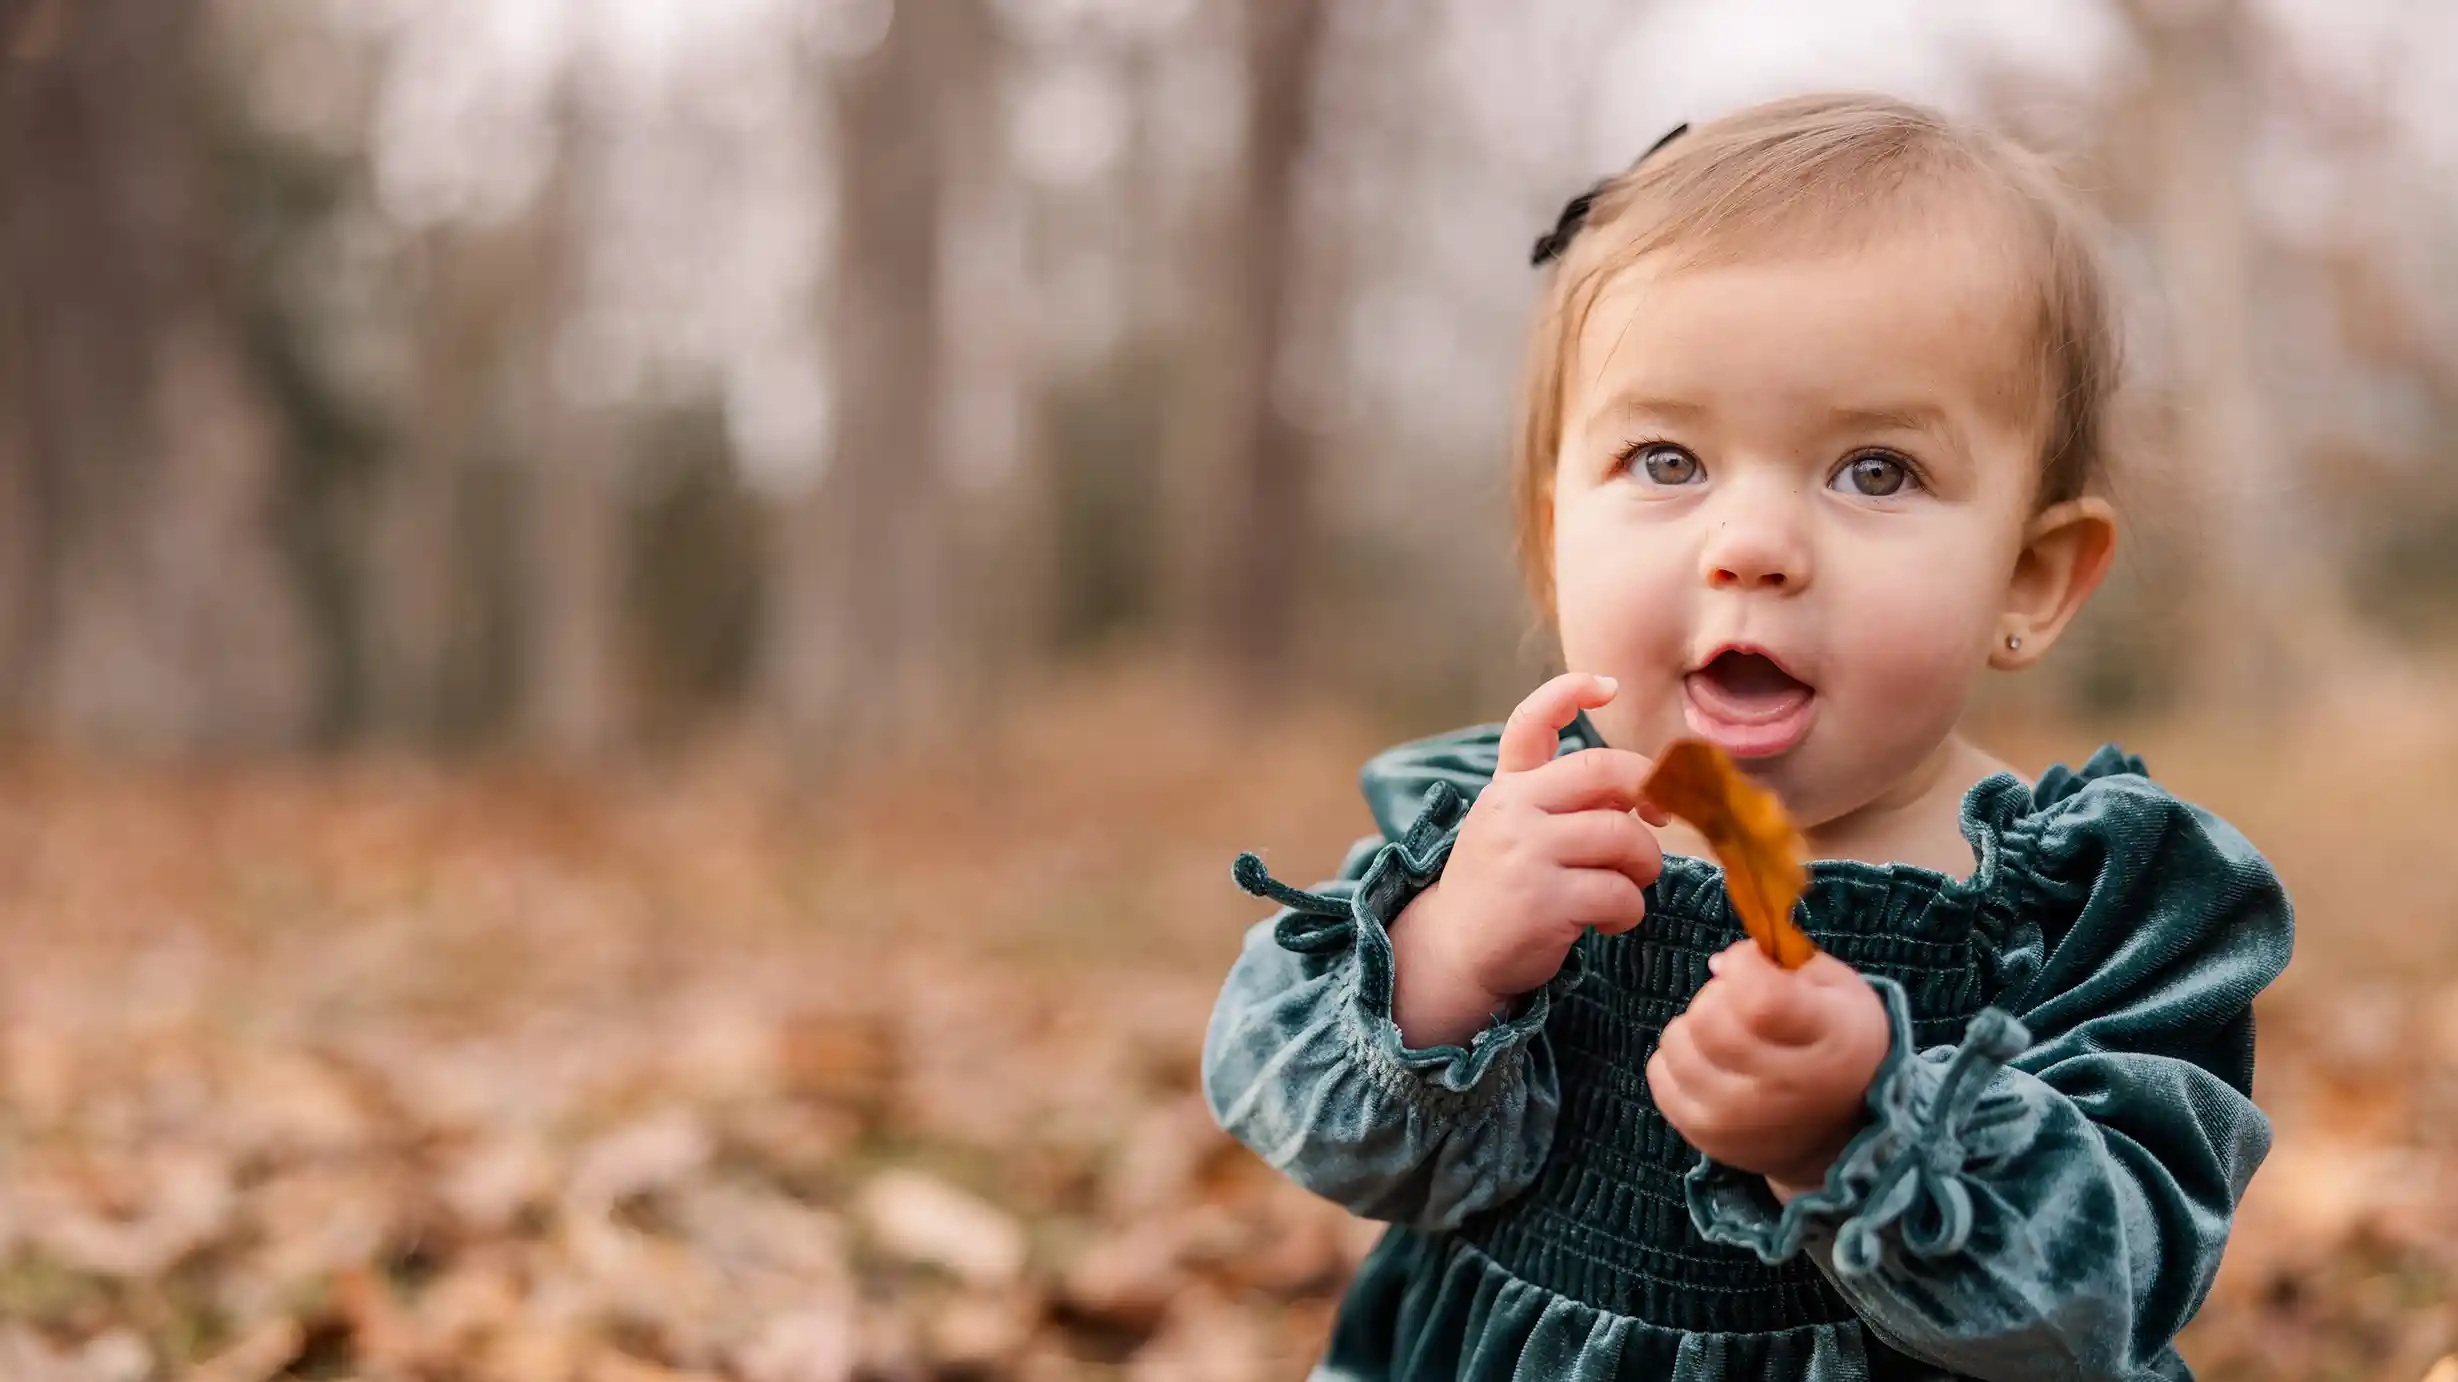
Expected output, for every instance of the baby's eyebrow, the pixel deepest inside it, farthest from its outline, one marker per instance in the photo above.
(1637, 406)
(1902, 417)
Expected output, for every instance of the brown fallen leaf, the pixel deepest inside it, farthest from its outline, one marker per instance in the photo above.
(185, 1202)
(608, 1364)
(490, 1185)
(382, 1336)
(978, 1333)
(468, 1301)
(1126, 1279)
(1296, 1255)
(119, 1355)
(259, 1354)
(1161, 1157)
(1752, 836)
(531, 1352)
(643, 1156)
(811, 1343)
(917, 1217)
(1208, 1338)
(838, 1059)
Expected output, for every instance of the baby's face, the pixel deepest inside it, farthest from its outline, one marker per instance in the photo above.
(1788, 506)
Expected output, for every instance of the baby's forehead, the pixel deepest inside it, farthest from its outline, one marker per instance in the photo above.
(1924, 312)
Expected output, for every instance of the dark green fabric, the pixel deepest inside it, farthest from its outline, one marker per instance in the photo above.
(2055, 1146)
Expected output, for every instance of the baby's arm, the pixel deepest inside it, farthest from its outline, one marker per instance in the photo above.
(1416, 1085)
(2050, 1199)
(1303, 1063)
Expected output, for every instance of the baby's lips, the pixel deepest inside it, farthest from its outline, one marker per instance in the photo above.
(1745, 707)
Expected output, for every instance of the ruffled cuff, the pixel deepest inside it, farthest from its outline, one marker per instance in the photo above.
(1324, 928)
(1901, 1176)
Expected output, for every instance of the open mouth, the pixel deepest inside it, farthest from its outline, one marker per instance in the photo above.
(1747, 703)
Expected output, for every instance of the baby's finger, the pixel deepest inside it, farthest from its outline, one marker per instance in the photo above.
(1701, 1101)
(1740, 952)
(1664, 1087)
(1602, 898)
(1772, 1003)
(1589, 779)
(1717, 1031)
(1535, 727)
(1613, 840)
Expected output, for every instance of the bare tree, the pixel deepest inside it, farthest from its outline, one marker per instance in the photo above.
(2258, 603)
(569, 678)
(860, 643)
(146, 602)
(413, 530)
(1248, 465)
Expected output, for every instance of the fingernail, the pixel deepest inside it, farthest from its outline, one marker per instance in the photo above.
(1608, 684)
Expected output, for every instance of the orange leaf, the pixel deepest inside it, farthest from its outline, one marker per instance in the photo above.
(1752, 837)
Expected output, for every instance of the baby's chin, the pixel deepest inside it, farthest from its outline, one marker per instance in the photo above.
(1836, 772)
(1814, 791)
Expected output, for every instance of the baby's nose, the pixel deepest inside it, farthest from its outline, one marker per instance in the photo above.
(1758, 552)
(1746, 574)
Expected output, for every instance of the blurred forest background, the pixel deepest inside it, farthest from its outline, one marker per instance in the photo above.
(634, 636)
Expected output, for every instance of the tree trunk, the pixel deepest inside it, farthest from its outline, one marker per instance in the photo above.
(149, 606)
(861, 638)
(569, 678)
(1243, 458)
(2256, 599)
(413, 531)
(571, 685)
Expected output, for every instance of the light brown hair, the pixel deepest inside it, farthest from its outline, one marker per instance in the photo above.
(1824, 169)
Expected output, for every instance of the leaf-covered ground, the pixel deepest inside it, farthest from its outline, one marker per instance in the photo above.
(380, 1070)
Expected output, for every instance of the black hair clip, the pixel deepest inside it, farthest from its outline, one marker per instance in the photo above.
(1550, 245)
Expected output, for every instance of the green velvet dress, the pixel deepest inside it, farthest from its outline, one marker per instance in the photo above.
(2054, 1149)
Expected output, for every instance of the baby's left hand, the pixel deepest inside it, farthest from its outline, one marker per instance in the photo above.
(1768, 1068)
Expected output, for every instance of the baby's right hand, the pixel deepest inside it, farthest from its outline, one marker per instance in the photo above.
(1549, 849)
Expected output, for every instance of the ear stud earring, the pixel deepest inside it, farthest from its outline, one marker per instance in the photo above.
(2014, 642)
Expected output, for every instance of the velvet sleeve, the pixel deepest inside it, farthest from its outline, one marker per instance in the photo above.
(2049, 1199)
(1303, 1063)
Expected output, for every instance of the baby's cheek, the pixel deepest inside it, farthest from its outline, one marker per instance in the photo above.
(1618, 617)
(1911, 671)
(1926, 665)
(1927, 653)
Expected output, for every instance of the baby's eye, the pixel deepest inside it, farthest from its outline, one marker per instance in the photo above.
(1665, 464)
(1875, 475)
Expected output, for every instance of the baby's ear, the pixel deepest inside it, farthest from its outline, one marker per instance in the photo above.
(2066, 552)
